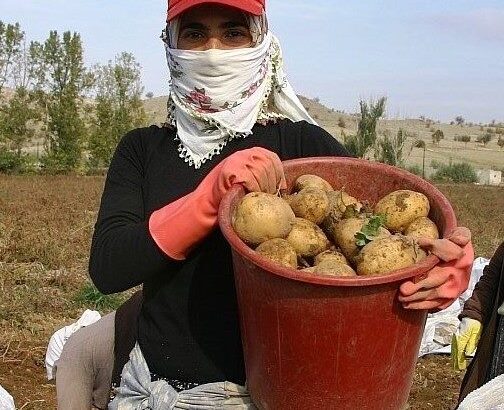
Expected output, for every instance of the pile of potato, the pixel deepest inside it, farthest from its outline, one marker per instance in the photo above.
(328, 232)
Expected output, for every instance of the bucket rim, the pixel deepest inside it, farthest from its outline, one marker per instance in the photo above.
(239, 246)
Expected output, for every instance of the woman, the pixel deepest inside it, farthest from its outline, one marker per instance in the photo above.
(482, 325)
(232, 118)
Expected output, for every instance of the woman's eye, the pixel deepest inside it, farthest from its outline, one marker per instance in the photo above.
(193, 35)
(235, 34)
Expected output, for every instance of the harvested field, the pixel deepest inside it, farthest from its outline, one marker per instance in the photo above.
(46, 224)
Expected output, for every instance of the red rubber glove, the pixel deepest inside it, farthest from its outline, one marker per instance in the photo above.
(443, 284)
(178, 227)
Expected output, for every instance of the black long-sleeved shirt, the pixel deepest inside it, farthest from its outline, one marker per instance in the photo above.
(188, 326)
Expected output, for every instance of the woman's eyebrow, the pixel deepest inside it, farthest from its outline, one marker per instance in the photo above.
(194, 26)
(233, 24)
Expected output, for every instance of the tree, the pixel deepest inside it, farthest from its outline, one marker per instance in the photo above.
(15, 119)
(421, 144)
(118, 106)
(500, 142)
(459, 120)
(485, 138)
(18, 111)
(11, 38)
(149, 94)
(60, 86)
(437, 136)
(359, 144)
(389, 149)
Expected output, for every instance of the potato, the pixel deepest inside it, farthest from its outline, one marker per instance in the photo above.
(307, 238)
(279, 251)
(311, 181)
(310, 203)
(332, 268)
(344, 235)
(401, 208)
(330, 255)
(338, 202)
(385, 255)
(422, 227)
(260, 216)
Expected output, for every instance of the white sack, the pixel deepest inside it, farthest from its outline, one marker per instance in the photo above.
(6, 400)
(490, 396)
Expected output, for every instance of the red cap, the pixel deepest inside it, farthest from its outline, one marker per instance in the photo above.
(177, 7)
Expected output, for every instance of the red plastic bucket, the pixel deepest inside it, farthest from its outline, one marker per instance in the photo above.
(315, 342)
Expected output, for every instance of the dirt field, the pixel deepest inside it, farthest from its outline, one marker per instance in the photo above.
(45, 230)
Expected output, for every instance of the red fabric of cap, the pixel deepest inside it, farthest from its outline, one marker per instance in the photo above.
(177, 7)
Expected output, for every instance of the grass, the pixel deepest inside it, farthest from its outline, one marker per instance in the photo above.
(45, 233)
(91, 298)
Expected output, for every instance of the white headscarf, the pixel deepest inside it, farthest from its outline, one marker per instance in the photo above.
(218, 95)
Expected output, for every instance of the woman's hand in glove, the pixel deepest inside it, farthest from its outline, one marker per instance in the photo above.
(179, 226)
(464, 342)
(443, 284)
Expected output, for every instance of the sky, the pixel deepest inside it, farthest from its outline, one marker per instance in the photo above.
(434, 58)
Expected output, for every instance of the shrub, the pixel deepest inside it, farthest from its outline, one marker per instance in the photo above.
(458, 172)
(485, 138)
(415, 169)
(13, 163)
(389, 149)
(341, 122)
(437, 136)
(462, 138)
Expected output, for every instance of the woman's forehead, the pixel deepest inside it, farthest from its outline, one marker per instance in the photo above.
(211, 14)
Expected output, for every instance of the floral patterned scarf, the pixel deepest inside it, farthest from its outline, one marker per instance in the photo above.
(218, 95)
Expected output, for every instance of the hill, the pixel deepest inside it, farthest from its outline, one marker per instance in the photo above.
(481, 157)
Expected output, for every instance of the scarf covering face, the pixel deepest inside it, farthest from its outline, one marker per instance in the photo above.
(217, 95)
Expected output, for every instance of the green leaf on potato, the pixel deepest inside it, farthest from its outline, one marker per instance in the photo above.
(370, 230)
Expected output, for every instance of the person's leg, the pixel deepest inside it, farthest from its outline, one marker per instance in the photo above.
(84, 369)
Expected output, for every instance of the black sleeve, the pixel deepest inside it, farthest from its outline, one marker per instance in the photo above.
(311, 141)
(123, 253)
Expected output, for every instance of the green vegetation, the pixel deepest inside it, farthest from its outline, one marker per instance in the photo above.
(91, 298)
(389, 149)
(457, 172)
(462, 138)
(118, 107)
(360, 144)
(44, 91)
(437, 136)
(370, 230)
(485, 138)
